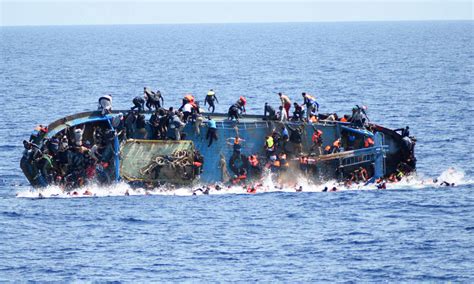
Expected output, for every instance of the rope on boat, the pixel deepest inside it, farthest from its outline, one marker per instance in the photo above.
(178, 159)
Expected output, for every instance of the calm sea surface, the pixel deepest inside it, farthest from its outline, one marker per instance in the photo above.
(407, 73)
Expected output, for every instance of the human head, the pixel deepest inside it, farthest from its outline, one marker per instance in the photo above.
(303, 94)
(280, 94)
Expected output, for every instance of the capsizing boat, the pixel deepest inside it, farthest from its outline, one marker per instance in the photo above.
(51, 152)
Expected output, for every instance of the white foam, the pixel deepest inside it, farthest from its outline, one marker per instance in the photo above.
(414, 181)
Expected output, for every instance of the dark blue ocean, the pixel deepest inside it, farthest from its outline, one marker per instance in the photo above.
(407, 73)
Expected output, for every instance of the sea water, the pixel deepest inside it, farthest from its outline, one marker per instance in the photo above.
(406, 73)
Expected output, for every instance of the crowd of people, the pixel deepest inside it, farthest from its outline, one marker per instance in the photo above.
(69, 160)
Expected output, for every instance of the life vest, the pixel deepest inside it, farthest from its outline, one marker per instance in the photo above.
(253, 160)
(269, 143)
(189, 98)
(316, 136)
(304, 160)
(41, 128)
(327, 148)
(197, 164)
(211, 93)
(343, 119)
(337, 143)
(313, 119)
(368, 142)
(251, 189)
(276, 163)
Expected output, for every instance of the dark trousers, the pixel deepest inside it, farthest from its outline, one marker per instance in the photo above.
(211, 104)
(211, 135)
(152, 103)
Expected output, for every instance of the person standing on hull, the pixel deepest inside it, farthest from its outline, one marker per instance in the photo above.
(187, 99)
(210, 98)
(237, 109)
(105, 104)
(138, 103)
(153, 99)
(311, 104)
(285, 103)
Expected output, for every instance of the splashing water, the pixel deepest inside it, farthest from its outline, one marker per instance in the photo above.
(451, 176)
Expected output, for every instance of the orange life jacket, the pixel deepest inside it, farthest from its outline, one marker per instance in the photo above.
(276, 163)
(303, 160)
(189, 98)
(197, 164)
(343, 119)
(253, 160)
(368, 142)
(337, 143)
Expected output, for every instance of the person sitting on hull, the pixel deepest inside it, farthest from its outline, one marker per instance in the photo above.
(153, 100)
(210, 98)
(105, 104)
(405, 132)
(269, 113)
(298, 112)
(138, 103)
(236, 110)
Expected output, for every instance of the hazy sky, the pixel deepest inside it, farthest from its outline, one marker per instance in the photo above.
(73, 12)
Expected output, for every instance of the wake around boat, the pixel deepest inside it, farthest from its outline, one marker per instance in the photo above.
(161, 147)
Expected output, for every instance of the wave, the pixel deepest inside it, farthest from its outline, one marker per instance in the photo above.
(452, 176)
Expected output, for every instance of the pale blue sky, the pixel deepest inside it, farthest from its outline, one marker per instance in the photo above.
(73, 12)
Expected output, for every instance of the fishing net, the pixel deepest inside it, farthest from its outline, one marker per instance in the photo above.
(157, 160)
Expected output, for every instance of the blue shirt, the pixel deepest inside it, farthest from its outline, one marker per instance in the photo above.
(211, 123)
